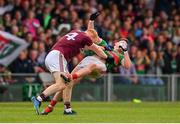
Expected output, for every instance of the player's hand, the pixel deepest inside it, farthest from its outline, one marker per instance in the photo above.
(94, 16)
(123, 45)
(108, 48)
(102, 47)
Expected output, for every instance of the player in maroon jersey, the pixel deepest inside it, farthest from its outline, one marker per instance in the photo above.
(65, 48)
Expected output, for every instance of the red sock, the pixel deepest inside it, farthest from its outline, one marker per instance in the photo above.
(74, 76)
(53, 103)
(48, 109)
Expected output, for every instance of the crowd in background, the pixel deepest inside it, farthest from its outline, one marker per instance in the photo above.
(152, 27)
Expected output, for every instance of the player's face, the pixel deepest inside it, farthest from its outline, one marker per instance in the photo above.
(116, 47)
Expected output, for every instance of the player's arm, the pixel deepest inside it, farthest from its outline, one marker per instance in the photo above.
(99, 41)
(104, 44)
(90, 24)
(98, 50)
(91, 20)
(126, 61)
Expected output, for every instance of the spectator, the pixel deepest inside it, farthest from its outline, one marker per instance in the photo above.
(22, 64)
(7, 22)
(53, 26)
(133, 52)
(141, 62)
(45, 16)
(5, 7)
(31, 23)
(33, 56)
(42, 54)
(154, 65)
(167, 69)
(176, 37)
(34, 45)
(15, 30)
(174, 61)
(128, 76)
(18, 18)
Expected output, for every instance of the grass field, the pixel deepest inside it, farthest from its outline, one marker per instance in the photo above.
(94, 112)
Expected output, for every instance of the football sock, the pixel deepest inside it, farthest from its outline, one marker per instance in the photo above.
(41, 97)
(74, 76)
(53, 103)
(48, 109)
(67, 107)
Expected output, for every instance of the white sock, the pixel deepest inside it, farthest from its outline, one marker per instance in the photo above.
(39, 98)
(68, 110)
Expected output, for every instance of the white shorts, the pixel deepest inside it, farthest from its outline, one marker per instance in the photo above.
(92, 60)
(55, 61)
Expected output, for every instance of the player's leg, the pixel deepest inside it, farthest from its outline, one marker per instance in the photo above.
(56, 64)
(52, 104)
(58, 86)
(66, 97)
(88, 64)
(67, 92)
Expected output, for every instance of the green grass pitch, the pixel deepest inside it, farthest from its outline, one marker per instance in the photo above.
(94, 112)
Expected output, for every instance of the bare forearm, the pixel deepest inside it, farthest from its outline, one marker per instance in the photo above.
(91, 24)
(98, 50)
(101, 53)
(127, 60)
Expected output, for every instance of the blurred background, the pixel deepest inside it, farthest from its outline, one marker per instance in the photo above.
(29, 28)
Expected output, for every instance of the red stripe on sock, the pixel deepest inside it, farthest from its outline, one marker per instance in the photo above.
(53, 102)
(74, 76)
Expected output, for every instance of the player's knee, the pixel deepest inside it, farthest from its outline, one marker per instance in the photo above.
(60, 86)
(70, 86)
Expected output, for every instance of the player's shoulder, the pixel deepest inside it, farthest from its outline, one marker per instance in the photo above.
(77, 31)
(81, 33)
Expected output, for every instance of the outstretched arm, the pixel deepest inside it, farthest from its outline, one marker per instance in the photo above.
(91, 20)
(126, 62)
(90, 24)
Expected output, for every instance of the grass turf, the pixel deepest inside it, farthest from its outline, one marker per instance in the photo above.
(94, 112)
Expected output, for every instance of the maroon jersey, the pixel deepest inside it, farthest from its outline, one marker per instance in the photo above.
(70, 44)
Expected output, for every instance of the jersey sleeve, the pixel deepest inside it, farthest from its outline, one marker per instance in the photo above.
(88, 41)
(121, 57)
(102, 43)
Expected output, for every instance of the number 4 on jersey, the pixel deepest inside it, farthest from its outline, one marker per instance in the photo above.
(71, 36)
